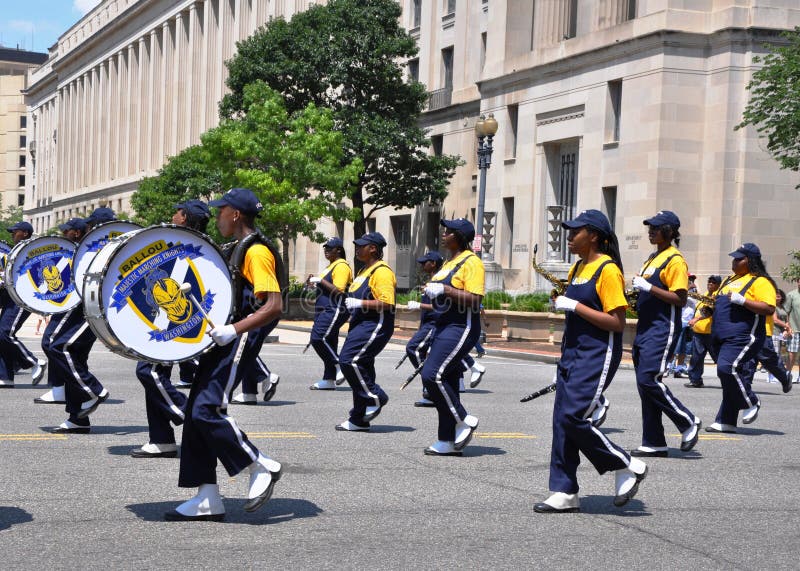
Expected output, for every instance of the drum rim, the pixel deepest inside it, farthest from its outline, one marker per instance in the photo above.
(84, 238)
(103, 310)
(12, 291)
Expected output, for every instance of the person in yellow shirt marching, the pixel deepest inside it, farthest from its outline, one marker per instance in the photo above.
(701, 340)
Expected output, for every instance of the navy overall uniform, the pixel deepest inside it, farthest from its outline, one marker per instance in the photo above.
(165, 406)
(209, 433)
(771, 361)
(330, 314)
(701, 345)
(456, 332)
(419, 344)
(590, 357)
(13, 352)
(368, 334)
(57, 372)
(656, 338)
(738, 335)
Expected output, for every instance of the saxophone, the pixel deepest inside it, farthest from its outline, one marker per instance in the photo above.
(707, 301)
(559, 285)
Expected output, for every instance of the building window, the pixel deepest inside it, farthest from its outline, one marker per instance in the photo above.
(572, 27)
(22, 161)
(23, 140)
(631, 10)
(23, 121)
(507, 246)
(450, 6)
(371, 225)
(610, 204)
(416, 13)
(22, 181)
(513, 113)
(613, 110)
(483, 49)
(447, 68)
(563, 169)
(20, 200)
(413, 70)
(437, 144)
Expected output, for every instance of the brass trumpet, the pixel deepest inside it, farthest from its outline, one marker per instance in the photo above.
(559, 285)
(707, 303)
(632, 297)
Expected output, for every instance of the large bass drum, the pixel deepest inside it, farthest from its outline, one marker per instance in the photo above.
(4, 250)
(92, 242)
(38, 275)
(133, 300)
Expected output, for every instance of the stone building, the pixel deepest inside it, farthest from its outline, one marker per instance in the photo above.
(14, 64)
(624, 105)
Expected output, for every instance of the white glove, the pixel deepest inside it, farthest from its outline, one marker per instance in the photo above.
(314, 280)
(641, 284)
(223, 334)
(413, 305)
(566, 303)
(353, 303)
(737, 298)
(434, 289)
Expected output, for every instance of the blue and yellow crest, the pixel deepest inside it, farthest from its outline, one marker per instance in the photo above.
(49, 269)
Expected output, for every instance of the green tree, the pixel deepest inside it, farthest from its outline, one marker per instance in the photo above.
(774, 105)
(294, 163)
(8, 217)
(344, 56)
(791, 273)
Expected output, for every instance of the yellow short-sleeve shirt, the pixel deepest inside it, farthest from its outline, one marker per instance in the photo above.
(471, 276)
(610, 284)
(703, 325)
(760, 290)
(382, 282)
(341, 276)
(259, 269)
(675, 275)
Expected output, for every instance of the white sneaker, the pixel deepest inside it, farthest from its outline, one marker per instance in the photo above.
(627, 480)
(464, 431)
(245, 398)
(90, 406)
(4, 384)
(206, 505)
(339, 376)
(264, 472)
(477, 375)
(599, 413)
(323, 385)
(750, 415)
(442, 448)
(718, 427)
(37, 374)
(691, 435)
(559, 502)
(152, 450)
(348, 426)
(56, 395)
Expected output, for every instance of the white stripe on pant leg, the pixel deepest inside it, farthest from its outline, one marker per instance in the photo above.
(176, 410)
(739, 358)
(263, 366)
(447, 360)
(357, 370)
(22, 348)
(228, 388)
(76, 375)
(421, 345)
(663, 366)
(60, 326)
(610, 447)
(334, 356)
(603, 376)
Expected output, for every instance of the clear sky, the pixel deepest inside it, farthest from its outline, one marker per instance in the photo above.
(36, 24)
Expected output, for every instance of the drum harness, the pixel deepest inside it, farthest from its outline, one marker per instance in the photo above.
(235, 252)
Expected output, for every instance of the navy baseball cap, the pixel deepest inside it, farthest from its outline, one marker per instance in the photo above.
(663, 217)
(24, 226)
(593, 218)
(73, 224)
(715, 279)
(461, 225)
(242, 199)
(371, 238)
(102, 214)
(334, 242)
(434, 257)
(194, 207)
(746, 249)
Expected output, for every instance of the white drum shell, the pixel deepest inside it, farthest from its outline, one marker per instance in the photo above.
(92, 242)
(29, 290)
(116, 284)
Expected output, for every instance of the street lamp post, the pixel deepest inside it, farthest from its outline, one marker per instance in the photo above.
(485, 129)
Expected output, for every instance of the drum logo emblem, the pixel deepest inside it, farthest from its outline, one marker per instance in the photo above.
(149, 283)
(49, 269)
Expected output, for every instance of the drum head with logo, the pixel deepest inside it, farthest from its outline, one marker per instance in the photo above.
(91, 243)
(140, 294)
(38, 275)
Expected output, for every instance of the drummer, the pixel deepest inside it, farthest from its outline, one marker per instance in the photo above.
(12, 351)
(71, 341)
(165, 404)
(209, 433)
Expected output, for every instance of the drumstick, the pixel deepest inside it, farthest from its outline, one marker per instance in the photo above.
(186, 288)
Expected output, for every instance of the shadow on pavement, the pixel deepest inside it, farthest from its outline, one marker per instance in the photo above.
(116, 430)
(278, 402)
(277, 510)
(383, 429)
(471, 451)
(745, 431)
(603, 505)
(122, 450)
(12, 516)
(609, 430)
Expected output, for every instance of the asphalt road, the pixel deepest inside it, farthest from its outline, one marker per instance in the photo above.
(375, 501)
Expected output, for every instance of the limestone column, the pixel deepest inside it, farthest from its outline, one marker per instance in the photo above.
(198, 38)
(181, 86)
(212, 59)
(154, 101)
(114, 116)
(83, 124)
(140, 131)
(551, 21)
(167, 52)
(131, 132)
(611, 12)
(62, 131)
(92, 114)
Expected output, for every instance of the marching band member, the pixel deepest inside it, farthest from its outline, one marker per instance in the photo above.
(591, 351)
(419, 344)
(701, 336)
(71, 341)
(371, 299)
(769, 358)
(662, 284)
(456, 292)
(13, 353)
(165, 405)
(330, 311)
(738, 331)
(209, 433)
